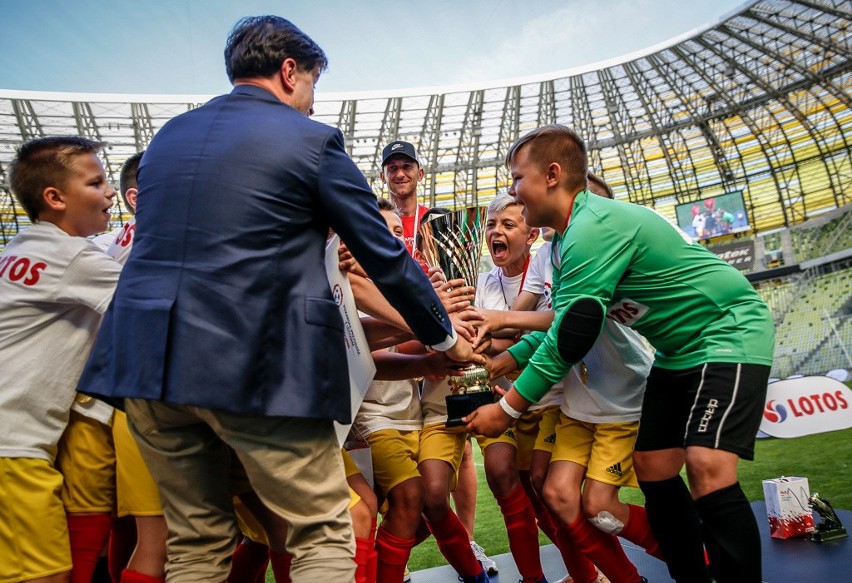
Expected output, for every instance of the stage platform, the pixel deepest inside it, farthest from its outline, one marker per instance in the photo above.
(784, 561)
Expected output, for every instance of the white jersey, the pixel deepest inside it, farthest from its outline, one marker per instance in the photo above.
(119, 248)
(432, 403)
(496, 291)
(54, 289)
(104, 240)
(616, 366)
(389, 405)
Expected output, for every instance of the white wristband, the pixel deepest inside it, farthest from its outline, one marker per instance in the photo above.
(510, 411)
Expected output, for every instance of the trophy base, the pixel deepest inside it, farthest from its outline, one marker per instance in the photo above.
(821, 536)
(462, 405)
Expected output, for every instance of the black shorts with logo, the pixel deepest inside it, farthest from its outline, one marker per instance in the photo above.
(717, 405)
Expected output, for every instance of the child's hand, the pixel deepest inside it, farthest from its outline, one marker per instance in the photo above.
(488, 420)
(455, 295)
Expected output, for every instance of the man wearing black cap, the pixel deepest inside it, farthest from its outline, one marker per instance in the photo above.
(402, 172)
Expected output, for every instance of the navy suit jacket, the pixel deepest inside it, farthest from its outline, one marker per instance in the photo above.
(224, 301)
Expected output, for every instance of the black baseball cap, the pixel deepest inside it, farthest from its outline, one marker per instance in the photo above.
(399, 147)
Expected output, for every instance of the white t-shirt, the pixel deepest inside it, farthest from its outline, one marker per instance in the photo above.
(389, 405)
(496, 291)
(616, 366)
(104, 240)
(122, 242)
(54, 289)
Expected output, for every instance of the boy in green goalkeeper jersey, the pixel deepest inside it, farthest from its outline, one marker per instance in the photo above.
(714, 340)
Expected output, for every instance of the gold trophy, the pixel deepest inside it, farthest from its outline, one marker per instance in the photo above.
(453, 241)
(830, 527)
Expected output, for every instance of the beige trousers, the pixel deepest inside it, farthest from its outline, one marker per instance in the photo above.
(294, 466)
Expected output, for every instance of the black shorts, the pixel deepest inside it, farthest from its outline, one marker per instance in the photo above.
(717, 405)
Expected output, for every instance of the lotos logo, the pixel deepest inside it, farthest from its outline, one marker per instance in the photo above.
(774, 413)
(806, 405)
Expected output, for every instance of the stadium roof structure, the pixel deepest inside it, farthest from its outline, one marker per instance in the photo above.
(758, 101)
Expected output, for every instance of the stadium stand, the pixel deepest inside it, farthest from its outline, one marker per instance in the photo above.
(758, 101)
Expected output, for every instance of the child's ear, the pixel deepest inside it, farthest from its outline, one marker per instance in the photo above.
(553, 174)
(53, 199)
(533, 235)
(131, 195)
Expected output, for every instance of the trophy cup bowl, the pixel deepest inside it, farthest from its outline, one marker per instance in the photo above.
(453, 241)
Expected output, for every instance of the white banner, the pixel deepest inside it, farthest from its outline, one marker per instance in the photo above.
(805, 406)
(362, 369)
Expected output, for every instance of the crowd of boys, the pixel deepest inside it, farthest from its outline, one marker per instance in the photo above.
(591, 411)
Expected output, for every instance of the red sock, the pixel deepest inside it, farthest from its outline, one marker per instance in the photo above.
(604, 550)
(455, 546)
(249, 562)
(88, 534)
(523, 534)
(580, 567)
(128, 576)
(373, 558)
(122, 543)
(281, 566)
(364, 549)
(638, 531)
(544, 520)
(393, 553)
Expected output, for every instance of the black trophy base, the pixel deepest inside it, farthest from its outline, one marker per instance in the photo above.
(463, 404)
(821, 536)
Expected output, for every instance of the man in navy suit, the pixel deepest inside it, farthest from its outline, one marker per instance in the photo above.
(223, 335)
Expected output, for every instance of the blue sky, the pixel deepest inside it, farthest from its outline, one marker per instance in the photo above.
(175, 46)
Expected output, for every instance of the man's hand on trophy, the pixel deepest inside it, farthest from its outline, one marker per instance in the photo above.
(501, 365)
(488, 420)
(462, 351)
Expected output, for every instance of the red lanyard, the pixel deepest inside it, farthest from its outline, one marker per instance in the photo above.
(520, 289)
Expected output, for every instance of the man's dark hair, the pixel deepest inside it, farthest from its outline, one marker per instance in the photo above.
(127, 177)
(42, 163)
(258, 45)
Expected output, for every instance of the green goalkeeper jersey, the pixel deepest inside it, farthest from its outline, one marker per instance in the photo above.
(649, 275)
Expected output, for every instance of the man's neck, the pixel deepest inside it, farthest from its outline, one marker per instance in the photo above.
(407, 205)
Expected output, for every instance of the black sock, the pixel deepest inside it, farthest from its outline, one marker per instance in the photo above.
(731, 534)
(674, 522)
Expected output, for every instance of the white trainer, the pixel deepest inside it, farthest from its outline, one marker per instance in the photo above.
(487, 563)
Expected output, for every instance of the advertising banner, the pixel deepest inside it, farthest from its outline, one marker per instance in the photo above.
(739, 255)
(805, 406)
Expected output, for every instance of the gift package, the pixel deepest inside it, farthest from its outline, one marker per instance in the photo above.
(787, 507)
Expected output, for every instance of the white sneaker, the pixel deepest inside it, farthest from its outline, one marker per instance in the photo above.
(488, 564)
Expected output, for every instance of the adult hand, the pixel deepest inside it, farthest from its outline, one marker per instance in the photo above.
(488, 420)
(462, 351)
